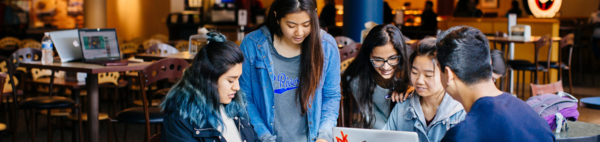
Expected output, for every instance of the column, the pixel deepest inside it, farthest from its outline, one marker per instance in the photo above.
(94, 13)
(357, 13)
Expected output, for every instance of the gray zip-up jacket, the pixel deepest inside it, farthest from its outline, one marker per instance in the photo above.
(408, 116)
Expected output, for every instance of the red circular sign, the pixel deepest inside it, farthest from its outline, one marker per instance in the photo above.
(544, 5)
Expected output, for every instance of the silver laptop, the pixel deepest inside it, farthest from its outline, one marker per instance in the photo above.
(66, 43)
(371, 135)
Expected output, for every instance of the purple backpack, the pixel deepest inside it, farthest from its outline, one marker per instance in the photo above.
(555, 108)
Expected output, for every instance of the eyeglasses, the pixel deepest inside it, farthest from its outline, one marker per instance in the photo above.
(390, 61)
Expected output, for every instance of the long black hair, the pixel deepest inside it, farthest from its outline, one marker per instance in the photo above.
(362, 72)
(196, 95)
(312, 58)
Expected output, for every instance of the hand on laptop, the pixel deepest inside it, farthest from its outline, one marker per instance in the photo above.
(321, 140)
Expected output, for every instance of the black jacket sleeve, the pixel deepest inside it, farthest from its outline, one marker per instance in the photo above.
(176, 129)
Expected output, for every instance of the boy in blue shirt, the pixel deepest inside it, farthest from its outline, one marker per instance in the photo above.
(492, 115)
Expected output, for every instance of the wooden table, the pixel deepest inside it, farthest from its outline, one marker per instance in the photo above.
(507, 40)
(181, 55)
(92, 71)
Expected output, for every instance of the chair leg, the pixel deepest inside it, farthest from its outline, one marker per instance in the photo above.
(125, 134)
(570, 82)
(516, 85)
(62, 130)
(523, 86)
(80, 123)
(544, 79)
(109, 127)
(33, 113)
(15, 121)
(49, 124)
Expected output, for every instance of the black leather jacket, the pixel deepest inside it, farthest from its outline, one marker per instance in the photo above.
(176, 129)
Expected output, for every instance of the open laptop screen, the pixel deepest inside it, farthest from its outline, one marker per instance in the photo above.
(99, 44)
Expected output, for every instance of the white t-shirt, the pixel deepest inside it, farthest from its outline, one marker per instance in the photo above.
(231, 133)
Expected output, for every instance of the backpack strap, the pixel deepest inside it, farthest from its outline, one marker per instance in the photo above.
(562, 94)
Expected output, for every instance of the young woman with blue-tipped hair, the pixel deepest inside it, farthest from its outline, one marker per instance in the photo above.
(206, 105)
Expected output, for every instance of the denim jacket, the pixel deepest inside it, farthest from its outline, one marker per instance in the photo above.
(256, 82)
(408, 116)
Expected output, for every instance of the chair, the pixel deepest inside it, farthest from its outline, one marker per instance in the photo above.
(161, 48)
(130, 47)
(552, 88)
(156, 138)
(9, 43)
(150, 42)
(349, 51)
(524, 65)
(343, 41)
(565, 42)
(28, 40)
(3, 67)
(42, 102)
(170, 68)
(32, 44)
(137, 40)
(2, 77)
(347, 54)
(182, 46)
(162, 38)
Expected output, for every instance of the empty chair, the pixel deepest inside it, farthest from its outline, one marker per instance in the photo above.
(129, 48)
(182, 45)
(347, 54)
(343, 41)
(2, 77)
(162, 38)
(35, 45)
(170, 68)
(9, 43)
(541, 89)
(161, 48)
(25, 41)
(565, 42)
(41, 102)
(533, 67)
(150, 42)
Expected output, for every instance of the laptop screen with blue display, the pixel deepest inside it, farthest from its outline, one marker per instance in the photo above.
(99, 44)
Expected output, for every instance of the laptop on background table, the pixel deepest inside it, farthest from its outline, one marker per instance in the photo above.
(100, 46)
(342, 134)
(66, 43)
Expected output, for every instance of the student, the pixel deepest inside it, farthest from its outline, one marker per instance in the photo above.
(429, 18)
(467, 8)
(464, 59)
(292, 75)
(328, 14)
(379, 70)
(432, 111)
(206, 104)
(514, 8)
(498, 64)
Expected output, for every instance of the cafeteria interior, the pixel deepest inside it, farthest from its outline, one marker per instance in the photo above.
(149, 31)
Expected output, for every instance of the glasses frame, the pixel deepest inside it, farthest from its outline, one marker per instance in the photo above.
(386, 61)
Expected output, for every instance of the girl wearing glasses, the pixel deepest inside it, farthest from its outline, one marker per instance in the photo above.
(292, 75)
(377, 72)
(432, 111)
